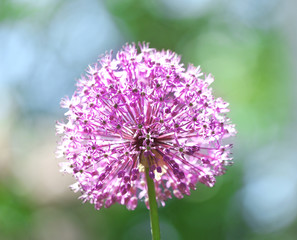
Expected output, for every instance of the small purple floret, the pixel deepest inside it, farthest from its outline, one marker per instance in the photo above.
(143, 110)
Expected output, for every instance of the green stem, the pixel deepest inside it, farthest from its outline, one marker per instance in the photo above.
(155, 228)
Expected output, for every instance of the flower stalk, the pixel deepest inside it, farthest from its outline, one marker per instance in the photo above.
(154, 218)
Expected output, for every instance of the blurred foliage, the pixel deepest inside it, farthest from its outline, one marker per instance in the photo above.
(144, 21)
(15, 214)
(11, 11)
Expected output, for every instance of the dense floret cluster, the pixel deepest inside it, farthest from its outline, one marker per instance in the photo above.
(143, 110)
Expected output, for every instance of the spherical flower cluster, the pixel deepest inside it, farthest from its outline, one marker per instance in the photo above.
(143, 110)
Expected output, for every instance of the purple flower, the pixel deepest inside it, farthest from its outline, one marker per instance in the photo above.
(143, 110)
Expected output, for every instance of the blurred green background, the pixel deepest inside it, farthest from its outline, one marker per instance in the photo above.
(250, 48)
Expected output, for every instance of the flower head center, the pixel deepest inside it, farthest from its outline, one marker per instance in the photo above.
(143, 141)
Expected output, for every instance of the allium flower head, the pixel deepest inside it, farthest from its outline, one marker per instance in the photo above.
(143, 110)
